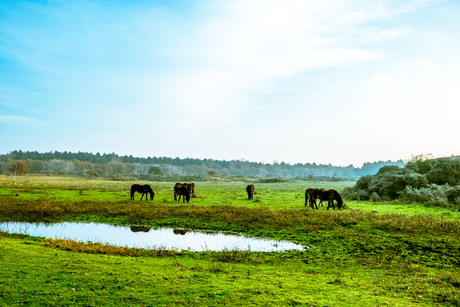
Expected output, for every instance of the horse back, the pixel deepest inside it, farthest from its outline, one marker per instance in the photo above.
(250, 189)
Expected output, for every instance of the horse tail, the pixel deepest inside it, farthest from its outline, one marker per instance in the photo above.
(133, 190)
(250, 190)
(338, 198)
(306, 198)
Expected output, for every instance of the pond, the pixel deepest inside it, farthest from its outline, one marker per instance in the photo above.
(148, 238)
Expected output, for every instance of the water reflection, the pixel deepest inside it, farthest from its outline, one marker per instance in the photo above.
(180, 231)
(146, 237)
(139, 228)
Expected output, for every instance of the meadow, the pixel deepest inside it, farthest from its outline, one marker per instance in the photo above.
(369, 254)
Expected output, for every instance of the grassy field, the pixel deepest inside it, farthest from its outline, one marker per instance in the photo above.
(366, 255)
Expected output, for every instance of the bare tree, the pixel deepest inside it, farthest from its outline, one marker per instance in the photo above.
(18, 168)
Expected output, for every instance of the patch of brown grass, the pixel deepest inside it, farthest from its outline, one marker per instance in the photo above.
(101, 248)
(310, 220)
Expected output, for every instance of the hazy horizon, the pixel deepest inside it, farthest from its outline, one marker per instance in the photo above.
(339, 82)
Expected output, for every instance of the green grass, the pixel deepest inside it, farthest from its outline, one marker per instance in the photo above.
(366, 255)
(270, 195)
(52, 277)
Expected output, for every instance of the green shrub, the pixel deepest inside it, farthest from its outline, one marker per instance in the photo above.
(355, 194)
(433, 195)
(386, 184)
(445, 171)
(374, 197)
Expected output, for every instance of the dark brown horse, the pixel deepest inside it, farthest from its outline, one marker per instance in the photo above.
(176, 189)
(312, 194)
(330, 196)
(180, 190)
(250, 189)
(144, 189)
(191, 188)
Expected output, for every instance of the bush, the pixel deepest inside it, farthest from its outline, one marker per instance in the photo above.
(453, 195)
(391, 182)
(433, 195)
(386, 184)
(374, 197)
(355, 194)
(445, 171)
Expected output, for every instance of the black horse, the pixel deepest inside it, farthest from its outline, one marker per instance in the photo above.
(250, 190)
(144, 189)
(180, 190)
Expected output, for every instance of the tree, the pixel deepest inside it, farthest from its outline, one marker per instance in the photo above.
(18, 168)
(421, 164)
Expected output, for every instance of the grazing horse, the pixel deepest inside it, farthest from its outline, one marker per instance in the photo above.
(313, 195)
(176, 189)
(250, 189)
(191, 188)
(180, 190)
(144, 189)
(330, 196)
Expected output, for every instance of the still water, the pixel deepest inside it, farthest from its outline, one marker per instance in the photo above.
(148, 238)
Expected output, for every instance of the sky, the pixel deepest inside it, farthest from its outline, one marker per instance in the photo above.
(300, 81)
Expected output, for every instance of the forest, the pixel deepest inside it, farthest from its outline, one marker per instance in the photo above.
(114, 166)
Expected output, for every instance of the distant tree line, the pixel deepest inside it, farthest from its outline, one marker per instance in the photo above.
(109, 165)
(434, 182)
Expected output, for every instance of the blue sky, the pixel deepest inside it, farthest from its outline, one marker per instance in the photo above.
(340, 82)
